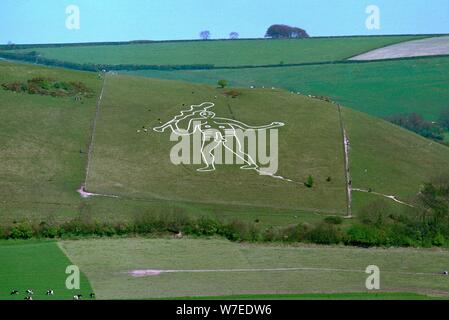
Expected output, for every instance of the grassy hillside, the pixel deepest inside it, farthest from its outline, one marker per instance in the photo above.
(39, 266)
(385, 158)
(45, 139)
(222, 53)
(377, 88)
(138, 165)
(108, 264)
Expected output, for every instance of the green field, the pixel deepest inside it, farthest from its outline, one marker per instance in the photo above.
(377, 88)
(108, 264)
(222, 53)
(39, 266)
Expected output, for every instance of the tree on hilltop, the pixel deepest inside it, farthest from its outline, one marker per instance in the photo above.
(234, 35)
(281, 31)
(205, 35)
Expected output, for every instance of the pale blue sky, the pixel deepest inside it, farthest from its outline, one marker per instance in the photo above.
(43, 21)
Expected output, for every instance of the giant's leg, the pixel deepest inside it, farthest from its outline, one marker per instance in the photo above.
(207, 153)
(250, 163)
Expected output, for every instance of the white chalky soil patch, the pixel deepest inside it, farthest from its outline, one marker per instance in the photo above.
(85, 194)
(417, 48)
(156, 272)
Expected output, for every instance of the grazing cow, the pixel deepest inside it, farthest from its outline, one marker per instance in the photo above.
(77, 297)
(29, 298)
(30, 292)
(14, 292)
(92, 295)
(446, 273)
(50, 292)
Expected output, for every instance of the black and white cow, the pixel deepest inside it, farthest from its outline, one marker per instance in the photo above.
(29, 292)
(77, 297)
(50, 292)
(14, 292)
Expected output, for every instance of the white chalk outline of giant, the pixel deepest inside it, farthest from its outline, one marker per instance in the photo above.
(228, 125)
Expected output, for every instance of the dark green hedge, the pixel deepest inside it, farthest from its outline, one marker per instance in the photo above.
(33, 57)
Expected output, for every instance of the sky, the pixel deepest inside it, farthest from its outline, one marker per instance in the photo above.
(44, 21)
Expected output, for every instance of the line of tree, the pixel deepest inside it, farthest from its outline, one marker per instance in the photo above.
(424, 225)
(206, 35)
(34, 57)
(428, 129)
(282, 31)
(444, 119)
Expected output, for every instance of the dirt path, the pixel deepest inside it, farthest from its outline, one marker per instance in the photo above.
(394, 198)
(92, 137)
(349, 188)
(157, 272)
(417, 48)
(346, 145)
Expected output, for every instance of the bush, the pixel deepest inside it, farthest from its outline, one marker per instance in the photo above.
(334, 220)
(324, 233)
(309, 183)
(50, 87)
(376, 214)
(46, 230)
(359, 235)
(222, 83)
(244, 231)
(416, 123)
(444, 119)
(20, 231)
(439, 240)
(283, 234)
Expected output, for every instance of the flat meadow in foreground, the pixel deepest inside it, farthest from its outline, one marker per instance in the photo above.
(213, 267)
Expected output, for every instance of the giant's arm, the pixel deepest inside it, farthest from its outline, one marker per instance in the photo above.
(174, 126)
(241, 125)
